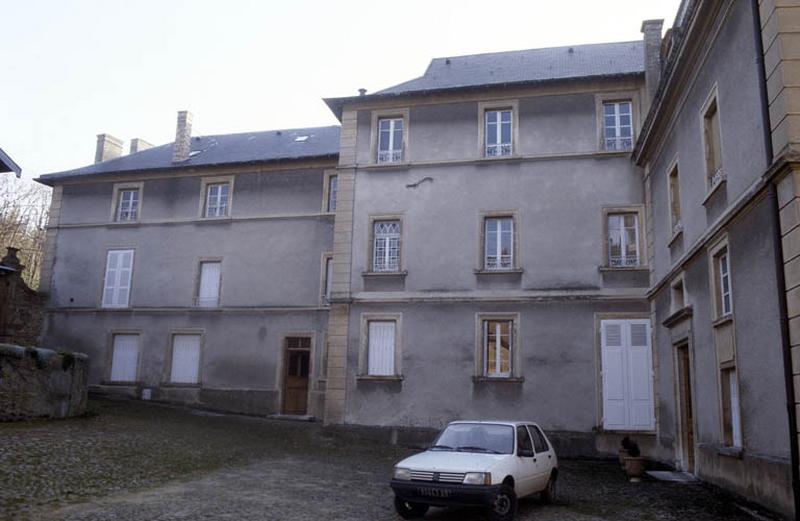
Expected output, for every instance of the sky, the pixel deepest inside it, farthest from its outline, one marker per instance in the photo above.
(72, 70)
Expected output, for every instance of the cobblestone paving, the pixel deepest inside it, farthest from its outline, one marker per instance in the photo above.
(133, 461)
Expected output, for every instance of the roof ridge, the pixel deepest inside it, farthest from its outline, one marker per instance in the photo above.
(534, 49)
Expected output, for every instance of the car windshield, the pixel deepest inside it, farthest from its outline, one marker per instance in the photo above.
(476, 437)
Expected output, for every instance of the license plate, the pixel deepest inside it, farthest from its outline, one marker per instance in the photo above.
(433, 492)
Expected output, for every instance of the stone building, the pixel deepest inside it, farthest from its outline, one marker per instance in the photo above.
(598, 237)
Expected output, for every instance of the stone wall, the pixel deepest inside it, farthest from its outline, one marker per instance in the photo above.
(21, 308)
(41, 383)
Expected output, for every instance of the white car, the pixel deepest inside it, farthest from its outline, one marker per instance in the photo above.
(486, 464)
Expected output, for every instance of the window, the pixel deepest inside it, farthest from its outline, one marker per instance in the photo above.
(209, 284)
(333, 182)
(217, 200)
(675, 201)
(731, 420)
(117, 283)
(712, 139)
(623, 240)
(524, 444)
(723, 283)
(626, 359)
(185, 359)
(327, 277)
(390, 140)
(497, 347)
(677, 295)
(381, 351)
(386, 246)
(498, 243)
(539, 441)
(128, 205)
(498, 132)
(617, 125)
(124, 358)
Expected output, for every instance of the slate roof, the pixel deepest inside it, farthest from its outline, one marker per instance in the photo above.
(223, 149)
(517, 68)
(8, 165)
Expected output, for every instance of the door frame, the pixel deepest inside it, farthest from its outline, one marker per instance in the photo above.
(685, 457)
(282, 366)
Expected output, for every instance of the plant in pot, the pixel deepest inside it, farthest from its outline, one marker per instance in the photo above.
(634, 462)
(624, 446)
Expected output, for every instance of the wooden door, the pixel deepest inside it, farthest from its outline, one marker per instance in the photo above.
(685, 414)
(295, 382)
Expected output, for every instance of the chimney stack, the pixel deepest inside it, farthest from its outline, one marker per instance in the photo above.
(138, 144)
(108, 147)
(652, 57)
(183, 137)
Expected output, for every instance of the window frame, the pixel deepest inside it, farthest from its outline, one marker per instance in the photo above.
(678, 281)
(616, 97)
(511, 105)
(376, 116)
(373, 220)
(207, 182)
(105, 276)
(328, 193)
(110, 355)
(618, 126)
(608, 211)
(481, 355)
(198, 280)
(715, 253)
(674, 198)
(732, 435)
(325, 278)
(716, 177)
(118, 189)
(483, 217)
(363, 355)
(168, 358)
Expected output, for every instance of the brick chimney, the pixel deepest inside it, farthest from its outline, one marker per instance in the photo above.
(183, 137)
(138, 144)
(652, 57)
(108, 147)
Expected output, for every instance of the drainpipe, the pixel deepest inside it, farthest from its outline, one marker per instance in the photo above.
(777, 248)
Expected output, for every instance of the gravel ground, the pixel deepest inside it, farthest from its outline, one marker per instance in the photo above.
(133, 461)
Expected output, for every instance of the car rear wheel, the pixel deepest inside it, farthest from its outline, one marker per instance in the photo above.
(409, 510)
(504, 505)
(549, 493)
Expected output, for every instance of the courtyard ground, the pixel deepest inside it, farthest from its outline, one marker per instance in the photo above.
(136, 461)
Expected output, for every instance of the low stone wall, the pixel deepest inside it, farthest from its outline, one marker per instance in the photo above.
(41, 383)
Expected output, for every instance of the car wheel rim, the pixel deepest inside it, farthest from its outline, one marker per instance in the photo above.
(502, 504)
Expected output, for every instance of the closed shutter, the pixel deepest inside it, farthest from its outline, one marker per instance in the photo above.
(208, 293)
(117, 284)
(736, 425)
(185, 359)
(627, 375)
(124, 358)
(380, 357)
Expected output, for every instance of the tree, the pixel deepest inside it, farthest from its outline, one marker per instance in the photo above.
(24, 208)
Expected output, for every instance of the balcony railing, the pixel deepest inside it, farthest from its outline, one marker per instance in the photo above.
(390, 156)
(498, 150)
(623, 261)
(619, 144)
(717, 177)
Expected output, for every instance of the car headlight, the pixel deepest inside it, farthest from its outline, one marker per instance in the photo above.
(477, 478)
(402, 474)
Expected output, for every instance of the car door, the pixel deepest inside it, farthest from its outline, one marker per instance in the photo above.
(527, 465)
(544, 457)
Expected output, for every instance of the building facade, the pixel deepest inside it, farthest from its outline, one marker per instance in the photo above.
(598, 237)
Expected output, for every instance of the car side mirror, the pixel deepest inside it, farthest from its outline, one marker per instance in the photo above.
(525, 453)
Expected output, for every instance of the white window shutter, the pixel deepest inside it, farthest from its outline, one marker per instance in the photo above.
(736, 424)
(380, 357)
(640, 382)
(185, 359)
(614, 388)
(208, 293)
(125, 358)
(117, 284)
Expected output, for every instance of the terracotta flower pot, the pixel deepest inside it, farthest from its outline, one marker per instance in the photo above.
(634, 467)
(623, 453)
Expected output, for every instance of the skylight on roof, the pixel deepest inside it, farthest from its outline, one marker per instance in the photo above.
(300, 139)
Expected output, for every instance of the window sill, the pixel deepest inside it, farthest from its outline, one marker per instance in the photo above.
(713, 190)
(605, 152)
(675, 235)
(512, 271)
(490, 159)
(731, 452)
(678, 316)
(623, 268)
(375, 378)
(137, 222)
(721, 321)
(498, 379)
(384, 273)
(388, 166)
(177, 385)
(215, 219)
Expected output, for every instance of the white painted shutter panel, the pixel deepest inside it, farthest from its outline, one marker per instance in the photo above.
(209, 284)
(613, 360)
(117, 284)
(736, 425)
(380, 357)
(185, 359)
(640, 381)
(125, 358)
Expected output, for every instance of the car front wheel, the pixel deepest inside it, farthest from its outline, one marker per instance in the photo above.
(504, 505)
(409, 510)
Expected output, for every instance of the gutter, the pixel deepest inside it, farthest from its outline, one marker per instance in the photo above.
(777, 248)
